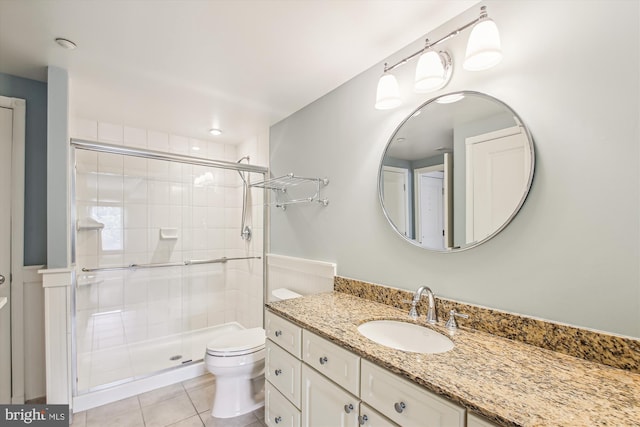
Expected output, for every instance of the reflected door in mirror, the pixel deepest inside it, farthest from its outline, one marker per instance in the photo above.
(498, 168)
(395, 183)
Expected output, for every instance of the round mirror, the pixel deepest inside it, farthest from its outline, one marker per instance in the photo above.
(456, 171)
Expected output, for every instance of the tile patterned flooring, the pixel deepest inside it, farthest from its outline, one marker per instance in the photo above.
(185, 404)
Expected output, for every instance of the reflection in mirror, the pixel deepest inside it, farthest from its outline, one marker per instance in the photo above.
(456, 171)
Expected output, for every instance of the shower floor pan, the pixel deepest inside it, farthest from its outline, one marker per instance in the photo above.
(100, 369)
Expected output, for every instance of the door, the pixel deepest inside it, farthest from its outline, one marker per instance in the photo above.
(326, 404)
(6, 136)
(498, 170)
(432, 210)
(396, 201)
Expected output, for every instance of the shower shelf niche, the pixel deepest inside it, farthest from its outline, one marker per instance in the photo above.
(283, 184)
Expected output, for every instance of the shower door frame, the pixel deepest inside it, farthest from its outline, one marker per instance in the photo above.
(100, 147)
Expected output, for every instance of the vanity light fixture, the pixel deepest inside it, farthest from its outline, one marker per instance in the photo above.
(434, 68)
(388, 93)
(215, 132)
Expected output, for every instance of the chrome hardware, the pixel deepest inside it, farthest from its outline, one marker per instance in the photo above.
(278, 333)
(323, 360)
(431, 317)
(277, 419)
(189, 262)
(1, 279)
(451, 323)
(348, 408)
(400, 406)
(363, 419)
(278, 372)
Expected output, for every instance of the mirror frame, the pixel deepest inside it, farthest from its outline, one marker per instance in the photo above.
(519, 122)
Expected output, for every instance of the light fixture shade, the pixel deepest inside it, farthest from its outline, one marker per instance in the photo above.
(388, 93)
(483, 47)
(430, 72)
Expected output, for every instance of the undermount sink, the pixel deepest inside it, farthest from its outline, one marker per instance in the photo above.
(405, 336)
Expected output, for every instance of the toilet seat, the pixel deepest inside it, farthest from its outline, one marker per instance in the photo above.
(237, 343)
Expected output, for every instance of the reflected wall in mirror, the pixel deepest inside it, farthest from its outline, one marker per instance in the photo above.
(456, 171)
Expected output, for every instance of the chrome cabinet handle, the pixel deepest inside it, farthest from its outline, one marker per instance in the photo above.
(278, 333)
(363, 419)
(278, 372)
(400, 406)
(1, 279)
(277, 419)
(323, 360)
(348, 408)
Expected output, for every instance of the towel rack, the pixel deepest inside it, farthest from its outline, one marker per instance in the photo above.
(282, 184)
(170, 264)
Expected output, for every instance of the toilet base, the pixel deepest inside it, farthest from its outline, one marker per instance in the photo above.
(235, 396)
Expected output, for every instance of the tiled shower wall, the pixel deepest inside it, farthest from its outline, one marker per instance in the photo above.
(136, 199)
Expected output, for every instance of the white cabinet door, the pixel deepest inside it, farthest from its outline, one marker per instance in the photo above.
(325, 404)
(278, 411)
(283, 372)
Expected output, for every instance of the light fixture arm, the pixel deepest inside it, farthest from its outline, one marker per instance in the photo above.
(483, 15)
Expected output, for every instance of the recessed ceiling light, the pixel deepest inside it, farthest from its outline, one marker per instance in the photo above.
(65, 43)
(195, 148)
(215, 132)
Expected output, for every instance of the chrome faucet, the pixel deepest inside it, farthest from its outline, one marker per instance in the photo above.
(431, 311)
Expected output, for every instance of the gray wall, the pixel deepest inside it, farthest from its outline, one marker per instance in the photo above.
(35, 209)
(572, 253)
(58, 254)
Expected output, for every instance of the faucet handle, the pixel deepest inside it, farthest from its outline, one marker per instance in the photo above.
(413, 313)
(451, 323)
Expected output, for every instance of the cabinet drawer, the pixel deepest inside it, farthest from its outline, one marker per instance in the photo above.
(371, 418)
(336, 363)
(406, 403)
(284, 333)
(282, 370)
(279, 412)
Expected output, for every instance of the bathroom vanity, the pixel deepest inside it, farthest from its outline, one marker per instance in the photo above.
(316, 359)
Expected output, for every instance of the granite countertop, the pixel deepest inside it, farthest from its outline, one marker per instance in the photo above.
(506, 381)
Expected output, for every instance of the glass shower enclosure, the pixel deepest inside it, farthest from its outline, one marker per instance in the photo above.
(162, 260)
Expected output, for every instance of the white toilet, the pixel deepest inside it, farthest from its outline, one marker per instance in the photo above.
(237, 360)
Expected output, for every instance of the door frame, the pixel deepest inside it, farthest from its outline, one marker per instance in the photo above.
(447, 201)
(16, 289)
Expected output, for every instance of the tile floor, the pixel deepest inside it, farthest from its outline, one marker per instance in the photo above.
(185, 404)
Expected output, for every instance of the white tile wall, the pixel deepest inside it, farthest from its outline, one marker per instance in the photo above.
(135, 198)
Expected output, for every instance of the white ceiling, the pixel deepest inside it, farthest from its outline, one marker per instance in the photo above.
(186, 66)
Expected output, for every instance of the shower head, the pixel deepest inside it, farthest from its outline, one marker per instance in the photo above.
(247, 158)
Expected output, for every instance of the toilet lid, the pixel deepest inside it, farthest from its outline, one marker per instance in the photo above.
(242, 341)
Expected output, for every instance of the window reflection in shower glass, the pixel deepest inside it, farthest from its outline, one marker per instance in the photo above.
(111, 217)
